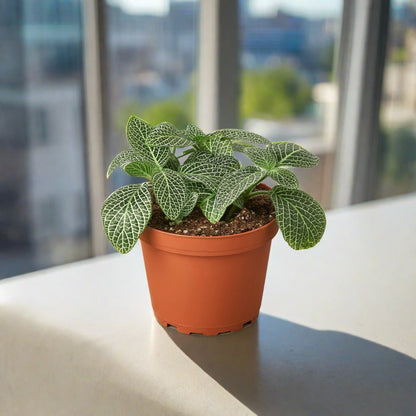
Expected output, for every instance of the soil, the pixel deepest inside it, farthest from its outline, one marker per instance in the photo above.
(257, 212)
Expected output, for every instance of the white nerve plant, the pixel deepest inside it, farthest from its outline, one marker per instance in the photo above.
(210, 178)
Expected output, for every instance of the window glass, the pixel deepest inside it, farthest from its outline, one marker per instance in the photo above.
(398, 107)
(43, 195)
(288, 90)
(152, 64)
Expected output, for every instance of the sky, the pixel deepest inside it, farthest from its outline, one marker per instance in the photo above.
(309, 8)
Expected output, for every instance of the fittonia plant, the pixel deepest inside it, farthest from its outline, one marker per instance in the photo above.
(209, 177)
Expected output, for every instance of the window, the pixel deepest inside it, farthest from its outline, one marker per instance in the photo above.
(288, 89)
(397, 174)
(151, 66)
(41, 136)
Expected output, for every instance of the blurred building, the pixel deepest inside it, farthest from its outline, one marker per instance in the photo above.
(43, 203)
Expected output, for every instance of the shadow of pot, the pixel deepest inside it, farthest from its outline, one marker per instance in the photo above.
(278, 367)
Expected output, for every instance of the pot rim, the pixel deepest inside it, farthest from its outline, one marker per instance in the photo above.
(211, 237)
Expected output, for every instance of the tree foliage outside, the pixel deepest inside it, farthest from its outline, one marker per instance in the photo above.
(176, 112)
(274, 93)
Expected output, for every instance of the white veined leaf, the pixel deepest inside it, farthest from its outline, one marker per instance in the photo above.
(200, 189)
(170, 192)
(189, 205)
(292, 155)
(192, 131)
(284, 177)
(142, 169)
(207, 208)
(165, 135)
(261, 157)
(205, 172)
(200, 156)
(173, 163)
(242, 137)
(138, 131)
(125, 214)
(227, 162)
(300, 218)
(123, 159)
(232, 186)
(219, 146)
(238, 147)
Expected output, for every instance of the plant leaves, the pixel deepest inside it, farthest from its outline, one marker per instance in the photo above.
(138, 132)
(207, 208)
(219, 146)
(173, 163)
(199, 167)
(189, 205)
(198, 188)
(170, 192)
(242, 137)
(261, 157)
(300, 218)
(142, 169)
(237, 147)
(292, 155)
(232, 186)
(192, 131)
(204, 172)
(123, 159)
(239, 202)
(229, 163)
(200, 156)
(166, 135)
(125, 214)
(284, 177)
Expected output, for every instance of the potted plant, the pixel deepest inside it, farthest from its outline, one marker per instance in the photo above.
(205, 221)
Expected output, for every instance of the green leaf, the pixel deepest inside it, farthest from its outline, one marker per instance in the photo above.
(219, 146)
(292, 155)
(229, 163)
(238, 147)
(198, 188)
(239, 202)
(204, 172)
(261, 157)
(165, 135)
(284, 177)
(189, 205)
(125, 214)
(138, 132)
(192, 131)
(300, 218)
(123, 159)
(173, 163)
(200, 156)
(170, 192)
(232, 186)
(142, 169)
(207, 208)
(242, 136)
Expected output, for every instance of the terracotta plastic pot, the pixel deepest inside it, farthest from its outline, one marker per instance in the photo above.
(207, 285)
